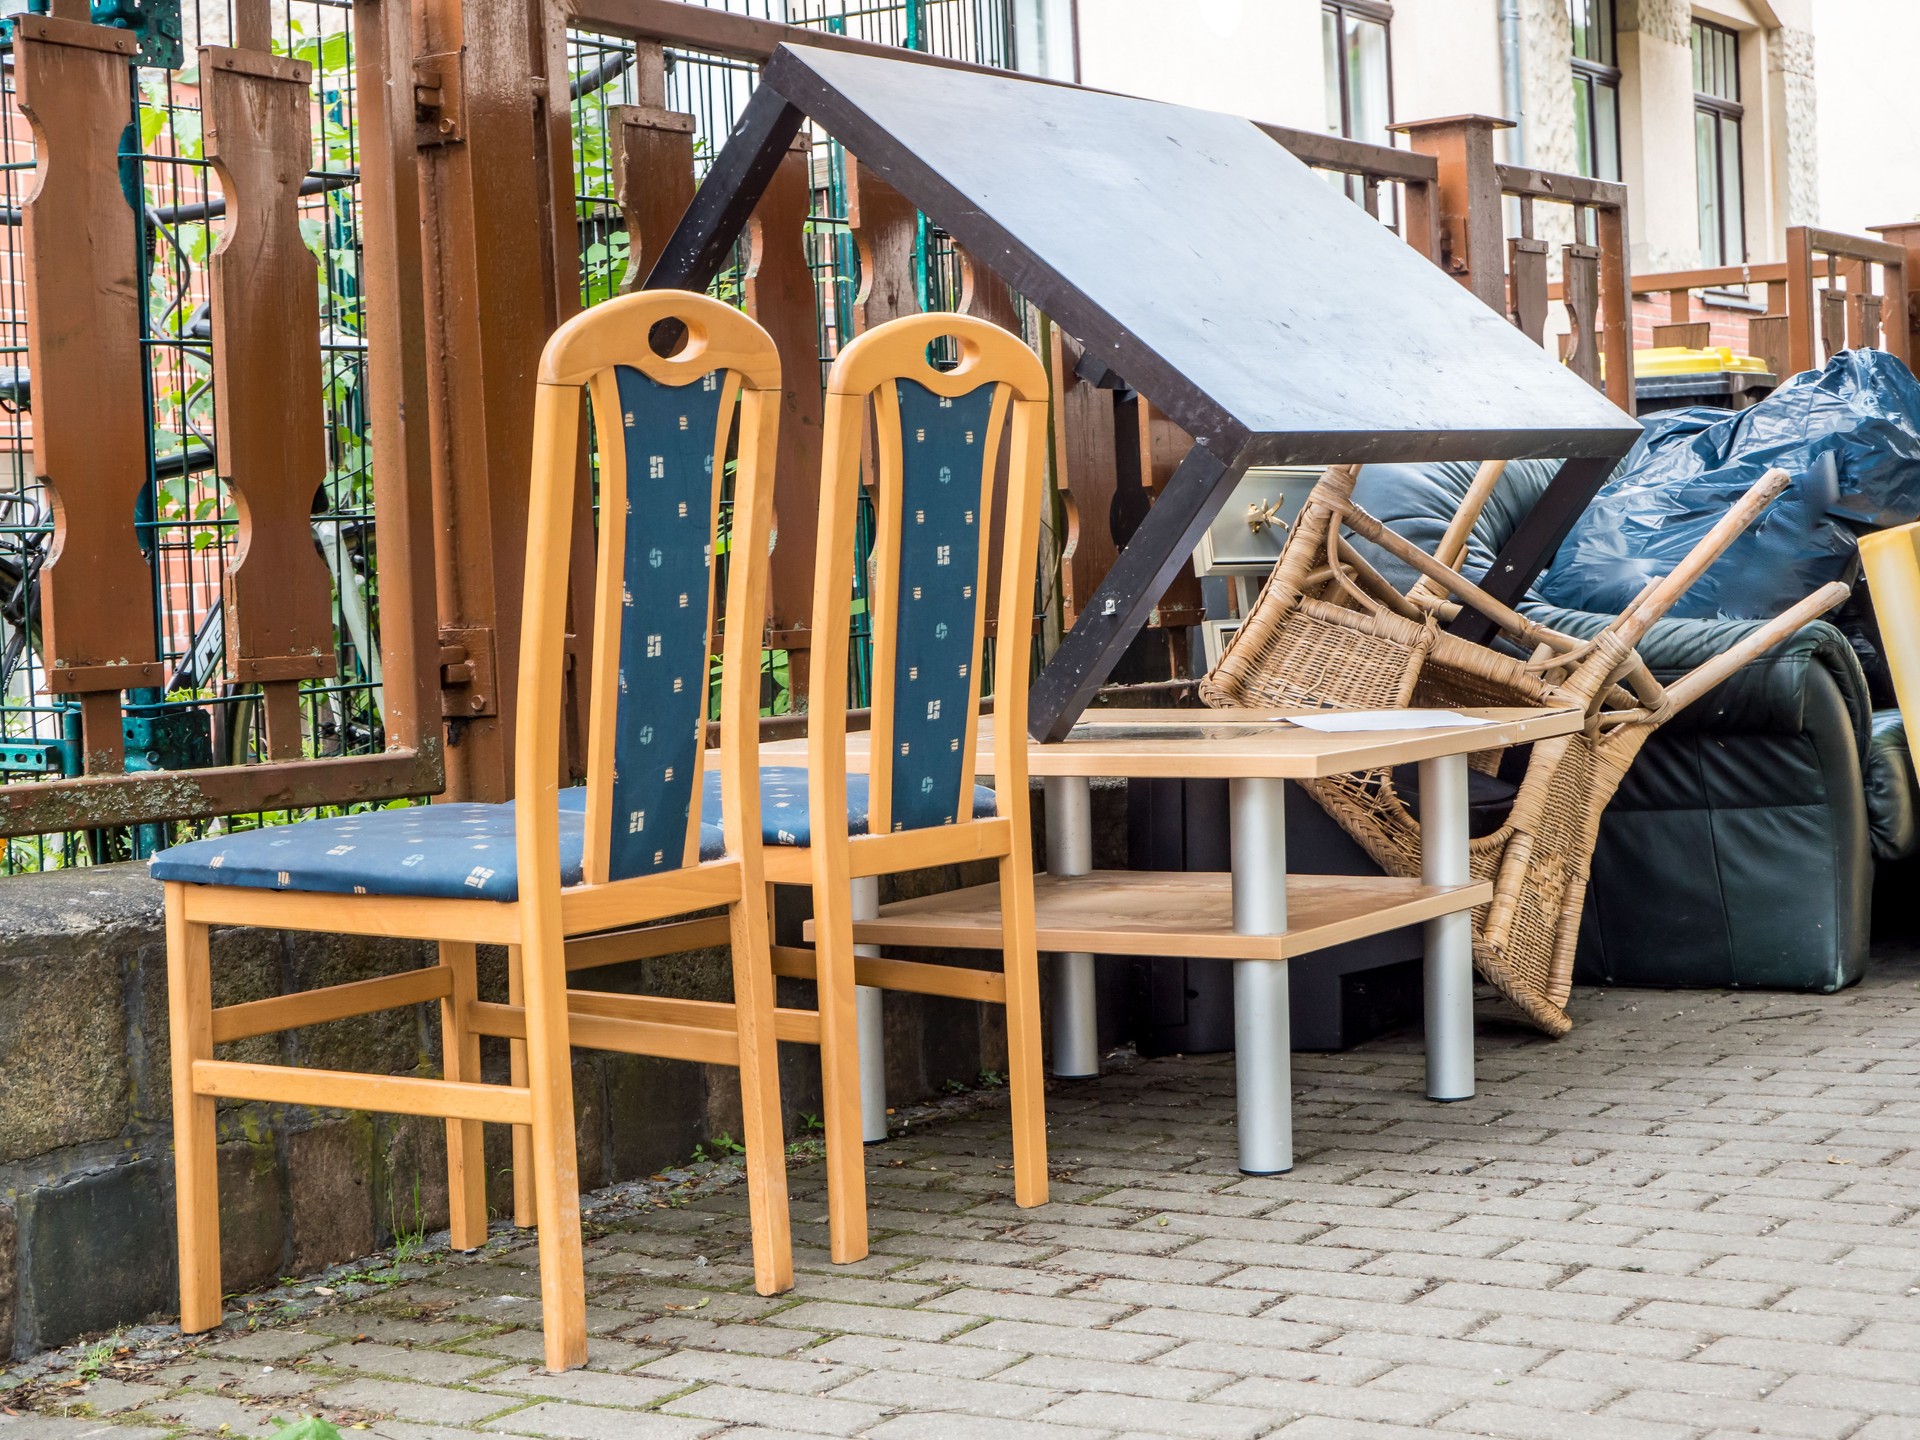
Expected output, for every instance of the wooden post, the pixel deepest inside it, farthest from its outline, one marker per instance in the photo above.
(1471, 225)
(1616, 304)
(1902, 314)
(397, 381)
(83, 351)
(779, 294)
(497, 172)
(1802, 312)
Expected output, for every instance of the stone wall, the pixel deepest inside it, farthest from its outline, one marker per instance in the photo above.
(86, 1173)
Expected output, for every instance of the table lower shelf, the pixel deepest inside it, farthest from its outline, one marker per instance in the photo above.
(1138, 912)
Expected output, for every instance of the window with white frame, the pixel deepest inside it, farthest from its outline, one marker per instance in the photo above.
(1716, 141)
(1359, 69)
(1596, 89)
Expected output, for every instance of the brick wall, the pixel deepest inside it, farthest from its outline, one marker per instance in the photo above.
(1729, 326)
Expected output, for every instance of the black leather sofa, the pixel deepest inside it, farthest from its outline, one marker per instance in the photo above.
(1742, 849)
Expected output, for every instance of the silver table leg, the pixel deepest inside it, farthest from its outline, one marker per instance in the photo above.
(1076, 1035)
(871, 1022)
(1262, 1026)
(1449, 939)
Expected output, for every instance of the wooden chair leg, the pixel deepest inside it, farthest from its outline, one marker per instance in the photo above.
(466, 1147)
(1026, 1082)
(763, 1127)
(556, 1171)
(524, 1213)
(840, 1071)
(195, 1159)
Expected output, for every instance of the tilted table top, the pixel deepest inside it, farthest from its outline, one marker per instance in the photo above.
(1229, 744)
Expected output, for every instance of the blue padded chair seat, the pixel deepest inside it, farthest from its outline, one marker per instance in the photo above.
(463, 851)
(783, 804)
(443, 851)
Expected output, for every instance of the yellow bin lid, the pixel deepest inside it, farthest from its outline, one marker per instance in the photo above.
(1678, 360)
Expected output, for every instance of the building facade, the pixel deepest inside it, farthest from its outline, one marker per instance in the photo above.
(1729, 120)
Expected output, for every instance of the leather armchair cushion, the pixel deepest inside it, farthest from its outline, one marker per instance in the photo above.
(1737, 858)
(1893, 814)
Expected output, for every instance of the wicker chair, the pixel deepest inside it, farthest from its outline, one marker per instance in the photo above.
(1330, 631)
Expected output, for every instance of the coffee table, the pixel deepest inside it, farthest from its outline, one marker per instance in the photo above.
(1259, 916)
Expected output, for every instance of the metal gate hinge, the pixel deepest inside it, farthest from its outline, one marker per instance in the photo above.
(439, 98)
(467, 688)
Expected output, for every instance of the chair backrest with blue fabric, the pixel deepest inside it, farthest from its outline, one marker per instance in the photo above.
(663, 423)
(938, 445)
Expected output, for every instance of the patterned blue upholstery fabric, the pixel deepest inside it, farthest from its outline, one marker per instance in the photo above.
(464, 852)
(943, 450)
(785, 818)
(670, 433)
(448, 851)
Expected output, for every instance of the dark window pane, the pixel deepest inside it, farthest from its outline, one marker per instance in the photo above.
(1331, 68)
(1367, 81)
(1606, 132)
(1733, 193)
(1583, 124)
(1706, 159)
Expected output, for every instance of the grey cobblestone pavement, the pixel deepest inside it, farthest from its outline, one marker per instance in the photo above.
(1697, 1217)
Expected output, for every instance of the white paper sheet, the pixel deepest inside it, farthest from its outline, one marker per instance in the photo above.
(1347, 722)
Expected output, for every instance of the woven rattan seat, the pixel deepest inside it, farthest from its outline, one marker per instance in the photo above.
(1329, 630)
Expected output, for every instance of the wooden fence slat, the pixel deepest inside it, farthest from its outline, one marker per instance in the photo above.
(779, 293)
(1527, 286)
(653, 179)
(985, 296)
(1163, 445)
(1580, 265)
(1085, 467)
(270, 435)
(886, 230)
(83, 352)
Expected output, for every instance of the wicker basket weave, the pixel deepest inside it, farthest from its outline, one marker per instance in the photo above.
(1329, 631)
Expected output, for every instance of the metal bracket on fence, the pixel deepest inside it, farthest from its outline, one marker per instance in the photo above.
(439, 98)
(467, 670)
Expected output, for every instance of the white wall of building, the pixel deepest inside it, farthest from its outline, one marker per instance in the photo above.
(1263, 58)
(1259, 58)
(1869, 132)
(1446, 59)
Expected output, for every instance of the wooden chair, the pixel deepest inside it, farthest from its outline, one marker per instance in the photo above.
(938, 446)
(532, 874)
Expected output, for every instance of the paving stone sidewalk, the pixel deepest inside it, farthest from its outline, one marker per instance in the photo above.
(1697, 1217)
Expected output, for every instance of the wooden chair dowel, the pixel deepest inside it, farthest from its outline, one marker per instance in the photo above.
(1697, 682)
(1510, 620)
(1454, 543)
(1659, 598)
(1376, 585)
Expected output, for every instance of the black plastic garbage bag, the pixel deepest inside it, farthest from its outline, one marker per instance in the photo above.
(1849, 434)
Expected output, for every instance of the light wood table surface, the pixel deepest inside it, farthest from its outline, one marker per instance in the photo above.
(1259, 916)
